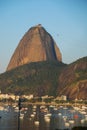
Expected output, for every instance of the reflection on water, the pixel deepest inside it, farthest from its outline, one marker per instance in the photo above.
(42, 117)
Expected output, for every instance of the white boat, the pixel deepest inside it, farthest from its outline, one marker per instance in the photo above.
(86, 117)
(32, 115)
(82, 121)
(67, 125)
(21, 116)
(59, 114)
(71, 121)
(1, 108)
(37, 123)
(47, 119)
(49, 114)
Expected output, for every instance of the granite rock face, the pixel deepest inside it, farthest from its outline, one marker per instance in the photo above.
(36, 45)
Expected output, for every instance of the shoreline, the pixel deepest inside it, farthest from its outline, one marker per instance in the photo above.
(46, 104)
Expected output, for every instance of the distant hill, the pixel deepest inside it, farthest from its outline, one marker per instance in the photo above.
(38, 78)
(73, 80)
(52, 78)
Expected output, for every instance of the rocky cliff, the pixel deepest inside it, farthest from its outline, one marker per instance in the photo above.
(73, 80)
(36, 45)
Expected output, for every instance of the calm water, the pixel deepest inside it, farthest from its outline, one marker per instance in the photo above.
(41, 117)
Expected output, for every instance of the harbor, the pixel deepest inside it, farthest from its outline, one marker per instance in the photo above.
(42, 117)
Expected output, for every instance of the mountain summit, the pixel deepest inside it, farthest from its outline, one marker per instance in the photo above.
(36, 45)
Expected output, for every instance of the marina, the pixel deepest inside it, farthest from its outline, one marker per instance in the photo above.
(42, 117)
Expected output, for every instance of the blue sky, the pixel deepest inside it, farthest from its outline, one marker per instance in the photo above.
(65, 20)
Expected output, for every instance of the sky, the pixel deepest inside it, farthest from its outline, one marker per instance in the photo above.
(65, 20)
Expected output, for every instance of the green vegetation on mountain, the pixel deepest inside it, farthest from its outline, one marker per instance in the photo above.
(47, 78)
(38, 78)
